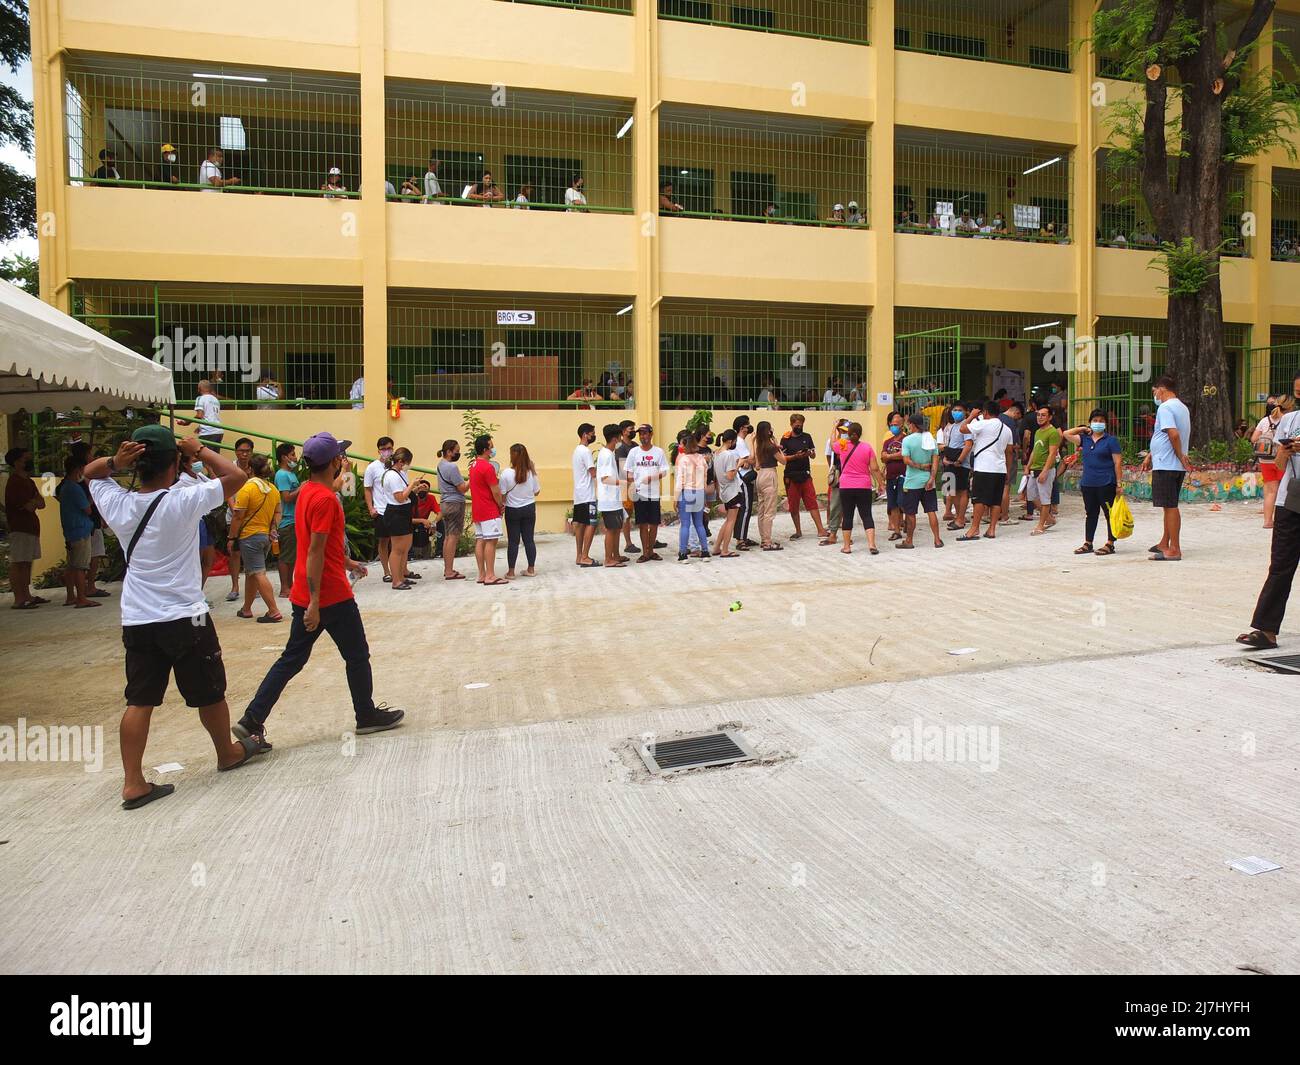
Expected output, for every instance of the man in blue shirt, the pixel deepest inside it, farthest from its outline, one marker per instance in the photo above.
(74, 512)
(1168, 461)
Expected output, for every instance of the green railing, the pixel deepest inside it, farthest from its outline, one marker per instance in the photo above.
(842, 21)
(927, 368)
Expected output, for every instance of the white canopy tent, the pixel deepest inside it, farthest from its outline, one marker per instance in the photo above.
(50, 361)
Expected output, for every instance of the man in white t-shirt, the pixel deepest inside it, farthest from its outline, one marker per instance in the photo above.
(584, 495)
(609, 494)
(432, 188)
(377, 499)
(210, 176)
(207, 407)
(574, 198)
(646, 468)
(988, 443)
(166, 627)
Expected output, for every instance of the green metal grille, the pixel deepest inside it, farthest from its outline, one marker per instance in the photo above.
(752, 355)
(762, 168)
(927, 368)
(827, 20)
(279, 131)
(1271, 371)
(996, 31)
(460, 349)
(620, 7)
(1286, 215)
(981, 187)
(1124, 221)
(490, 145)
(309, 339)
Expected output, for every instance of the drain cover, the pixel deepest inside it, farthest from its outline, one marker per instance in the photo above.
(1279, 663)
(695, 752)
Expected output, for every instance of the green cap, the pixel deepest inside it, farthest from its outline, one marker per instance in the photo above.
(155, 438)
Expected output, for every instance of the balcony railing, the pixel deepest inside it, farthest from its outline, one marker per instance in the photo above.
(753, 167)
(205, 126)
(826, 20)
(747, 355)
(496, 146)
(981, 187)
(1286, 215)
(996, 31)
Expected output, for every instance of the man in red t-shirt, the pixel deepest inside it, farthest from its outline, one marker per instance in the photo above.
(322, 599)
(486, 509)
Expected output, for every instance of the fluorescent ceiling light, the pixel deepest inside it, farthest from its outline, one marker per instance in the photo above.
(685, 172)
(227, 77)
(1041, 165)
(626, 126)
(625, 310)
(1044, 325)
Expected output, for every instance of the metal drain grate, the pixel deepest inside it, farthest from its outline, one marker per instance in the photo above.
(695, 752)
(1279, 663)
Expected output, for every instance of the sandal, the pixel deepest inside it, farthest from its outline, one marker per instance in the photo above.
(270, 619)
(773, 547)
(494, 583)
(454, 576)
(1257, 640)
(874, 550)
(1086, 549)
(828, 542)
(252, 748)
(32, 604)
(240, 614)
(1109, 549)
(903, 545)
(156, 791)
(405, 586)
(967, 539)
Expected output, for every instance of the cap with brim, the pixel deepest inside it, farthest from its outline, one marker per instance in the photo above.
(853, 204)
(839, 207)
(335, 170)
(645, 428)
(323, 448)
(155, 438)
(169, 147)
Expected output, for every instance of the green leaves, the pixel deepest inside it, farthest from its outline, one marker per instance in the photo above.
(1189, 268)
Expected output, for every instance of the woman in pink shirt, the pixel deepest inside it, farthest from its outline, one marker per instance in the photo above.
(857, 462)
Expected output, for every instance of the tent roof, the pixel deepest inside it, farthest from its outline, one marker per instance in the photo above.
(50, 361)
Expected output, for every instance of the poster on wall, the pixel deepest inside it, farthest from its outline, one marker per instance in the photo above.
(1012, 380)
(943, 212)
(1025, 216)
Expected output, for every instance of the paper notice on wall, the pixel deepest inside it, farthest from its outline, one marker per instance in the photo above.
(1025, 216)
(943, 207)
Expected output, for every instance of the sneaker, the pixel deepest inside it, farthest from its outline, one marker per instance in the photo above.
(248, 729)
(379, 719)
(683, 558)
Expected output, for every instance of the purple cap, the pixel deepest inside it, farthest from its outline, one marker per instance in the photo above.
(322, 449)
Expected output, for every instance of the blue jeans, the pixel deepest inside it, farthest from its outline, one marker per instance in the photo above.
(343, 622)
(690, 511)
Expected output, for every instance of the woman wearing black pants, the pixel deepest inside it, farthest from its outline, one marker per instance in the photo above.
(1102, 460)
(520, 487)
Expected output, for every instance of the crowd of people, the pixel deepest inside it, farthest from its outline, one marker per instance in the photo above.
(723, 486)
(964, 224)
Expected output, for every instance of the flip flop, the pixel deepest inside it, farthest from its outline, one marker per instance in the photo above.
(903, 545)
(99, 593)
(240, 614)
(1161, 557)
(83, 606)
(873, 550)
(455, 577)
(31, 604)
(1153, 548)
(615, 565)
(989, 536)
(270, 619)
(939, 544)
(251, 750)
(494, 583)
(966, 539)
(156, 791)
(588, 565)
(1257, 640)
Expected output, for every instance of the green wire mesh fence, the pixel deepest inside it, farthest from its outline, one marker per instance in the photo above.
(827, 20)
(453, 349)
(497, 146)
(1286, 215)
(997, 31)
(307, 339)
(981, 187)
(747, 355)
(762, 168)
(169, 125)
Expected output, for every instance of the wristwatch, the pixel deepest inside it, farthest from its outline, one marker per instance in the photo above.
(112, 466)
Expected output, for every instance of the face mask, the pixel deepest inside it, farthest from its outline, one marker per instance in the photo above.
(386, 454)
(493, 453)
(895, 429)
(958, 415)
(170, 158)
(1098, 427)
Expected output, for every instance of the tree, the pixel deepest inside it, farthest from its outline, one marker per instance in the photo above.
(23, 272)
(17, 190)
(1228, 110)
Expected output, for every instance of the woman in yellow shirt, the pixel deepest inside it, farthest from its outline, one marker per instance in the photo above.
(254, 523)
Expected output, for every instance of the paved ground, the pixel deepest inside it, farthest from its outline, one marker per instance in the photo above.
(509, 828)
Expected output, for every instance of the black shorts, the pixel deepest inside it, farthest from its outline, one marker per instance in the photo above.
(919, 497)
(584, 514)
(397, 519)
(613, 519)
(734, 503)
(1165, 486)
(381, 525)
(646, 511)
(986, 488)
(189, 646)
(958, 477)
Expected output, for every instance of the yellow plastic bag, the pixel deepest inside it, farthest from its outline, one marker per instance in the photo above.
(1121, 519)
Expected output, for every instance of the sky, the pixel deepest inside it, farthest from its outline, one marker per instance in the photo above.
(18, 159)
